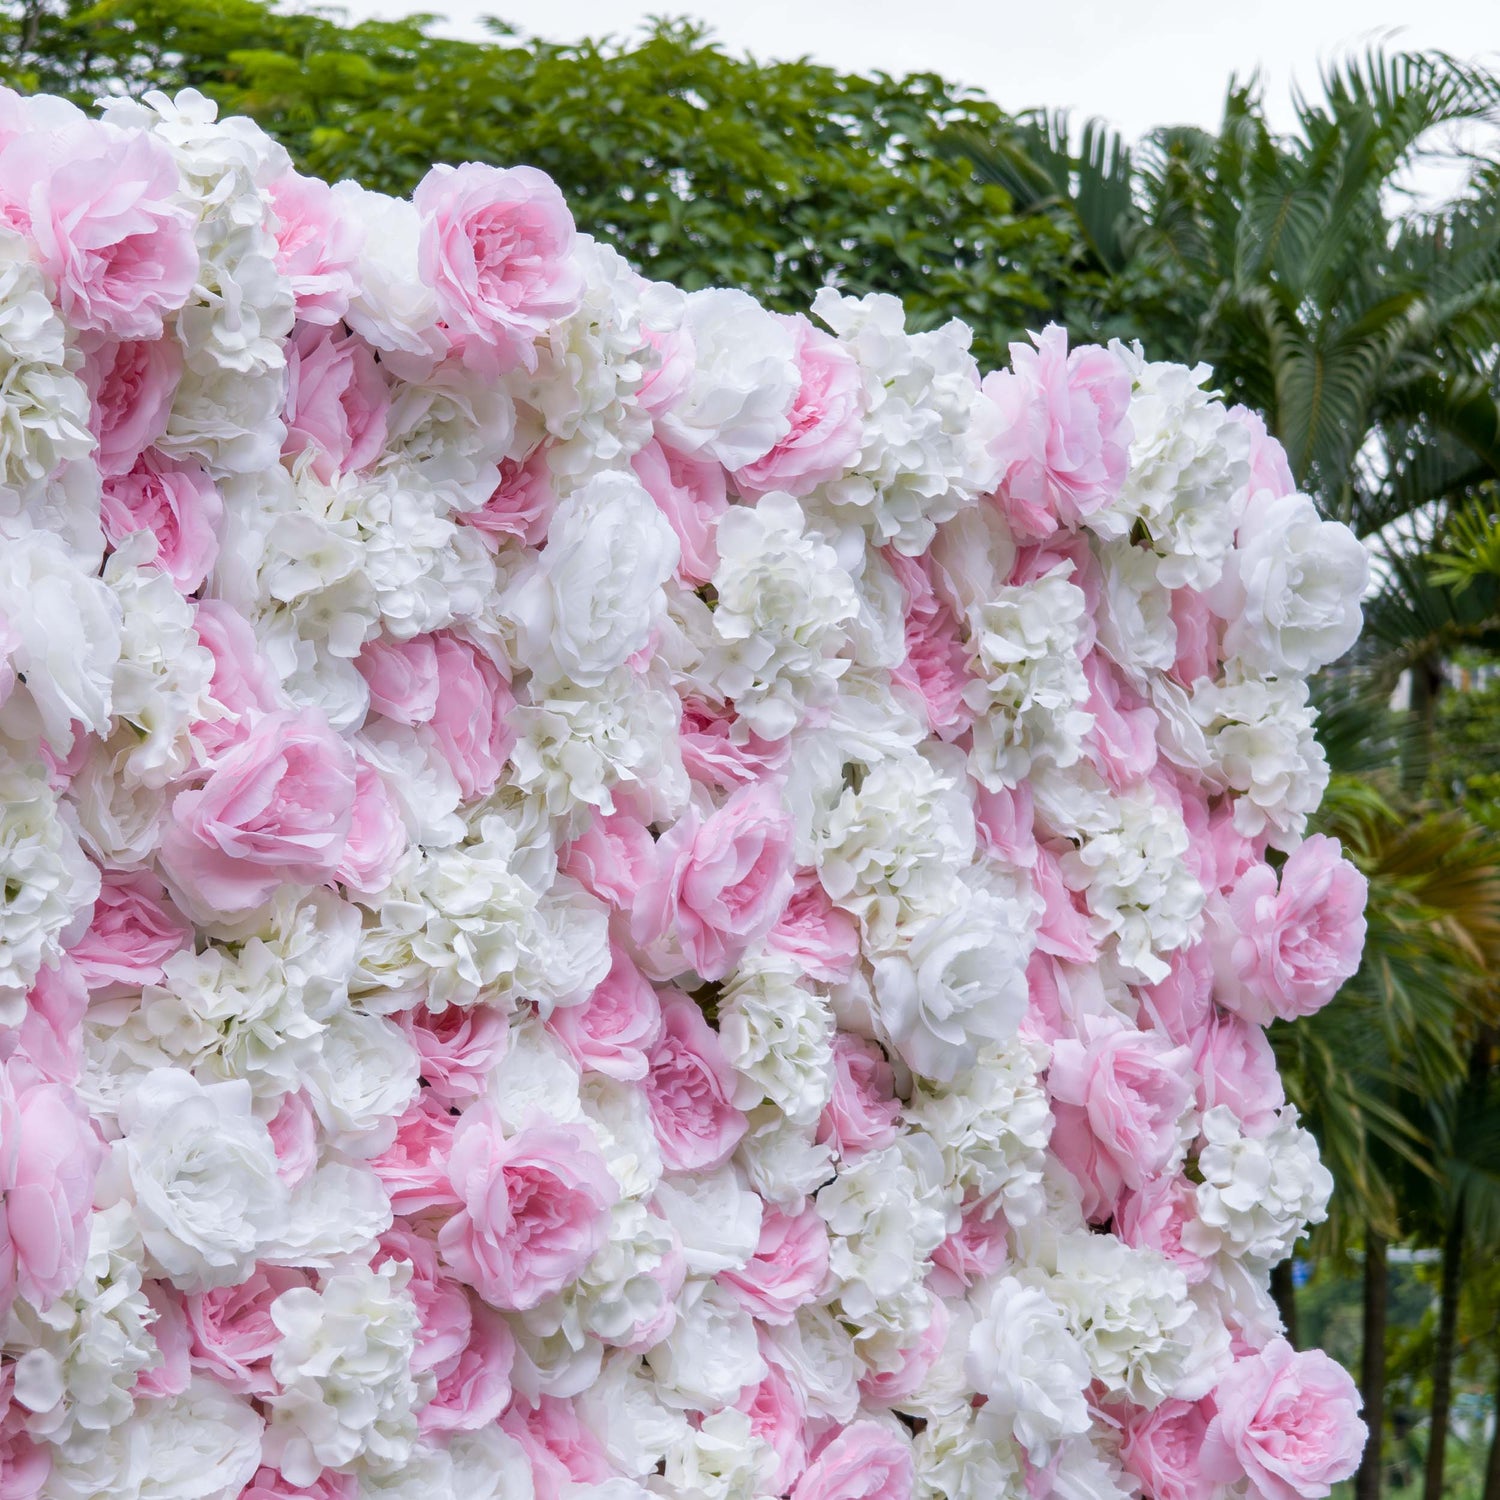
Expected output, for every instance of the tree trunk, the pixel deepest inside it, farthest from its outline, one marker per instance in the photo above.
(1426, 687)
(1367, 1482)
(1442, 1368)
(1492, 1469)
(1284, 1295)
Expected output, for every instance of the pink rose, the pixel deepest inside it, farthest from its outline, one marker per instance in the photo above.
(865, 1461)
(862, 1108)
(1161, 1448)
(718, 753)
(243, 685)
(496, 247)
(612, 1031)
(1003, 821)
(1064, 930)
(24, 1465)
(276, 808)
(535, 1207)
(1179, 1005)
(233, 1337)
(1198, 644)
(936, 668)
(269, 1485)
(1155, 1216)
(458, 1046)
(336, 402)
(1066, 432)
(132, 933)
(1270, 473)
(689, 1088)
(1119, 1096)
(521, 506)
(692, 494)
(826, 418)
(377, 836)
(611, 858)
(778, 1414)
(975, 1250)
(173, 1372)
(294, 1135)
(719, 883)
(895, 1386)
(473, 1387)
(1236, 1067)
(562, 1450)
(50, 1155)
(317, 247)
(100, 208)
(401, 676)
(788, 1269)
(178, 504)
(820, 936)
(132, 383)
(1287, 1420)
(414, 1167)
(1284, 952)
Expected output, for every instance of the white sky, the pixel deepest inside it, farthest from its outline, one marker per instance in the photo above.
(1138, 63)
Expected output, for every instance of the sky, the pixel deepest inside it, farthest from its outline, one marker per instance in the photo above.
(1138, 63)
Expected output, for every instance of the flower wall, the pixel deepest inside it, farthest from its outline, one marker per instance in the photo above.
(607, 892)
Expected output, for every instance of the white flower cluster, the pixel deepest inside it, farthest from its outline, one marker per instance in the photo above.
(605, 893)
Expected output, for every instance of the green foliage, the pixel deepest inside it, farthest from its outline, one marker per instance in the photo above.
(704, 169)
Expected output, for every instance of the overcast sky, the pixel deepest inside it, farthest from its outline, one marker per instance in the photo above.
(1138, 63)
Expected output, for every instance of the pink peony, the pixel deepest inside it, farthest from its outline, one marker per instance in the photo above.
(865, 1461)
(1283, 952)
(414, 1167)
(614, 1029)
(788, 1269)
(473, 1387)
(1155, 1216)
(50, 1155)
(1179, 1005)
(1066, 432)
(269, 1485)
(611, 857)
(173, 1372)
(294, 1135)
(178, 504)
(1122, 742)
(243, 685)
(521, 506)
(826, 418)
(132, 383)
(936, 668)
(893, 1387)
(1161, 1449)
(821, 937)
(377, 836)
(1064, 932)
(718, 883)
(535, 1207)
(401, 677)
(232, 1334)
(778, 1414)
(1120, 1097)
(862, 1108)
(690, 1090)
(1286, 1420)
(1236, 1067)
(336, 402)
(317, 247)
(101, 208)
(975, 1250)
(496, 247)
(719, 753)
(445, 1319)
(276, 808)
(50, 1036)
(691, 493)
(458, 1047)
(133, 931)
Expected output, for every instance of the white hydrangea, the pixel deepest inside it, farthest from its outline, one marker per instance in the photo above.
(449, 431)
(1136, 629)
(343, 1365)
(968, 1455)
(1188, 460)
(1261, 745)
(924, 451)
(720, 1459)
(784, 1161)
(47, 885)
(1029, 687)
(1259, 1193)
(779, 1034)
(781, 606)
(992, 1124)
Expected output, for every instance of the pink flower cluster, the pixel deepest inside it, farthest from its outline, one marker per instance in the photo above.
(611, 894)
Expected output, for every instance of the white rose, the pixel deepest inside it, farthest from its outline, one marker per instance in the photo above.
(201, 1171)
(711, 1354)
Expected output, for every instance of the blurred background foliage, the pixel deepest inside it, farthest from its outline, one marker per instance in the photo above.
(1363, 320)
